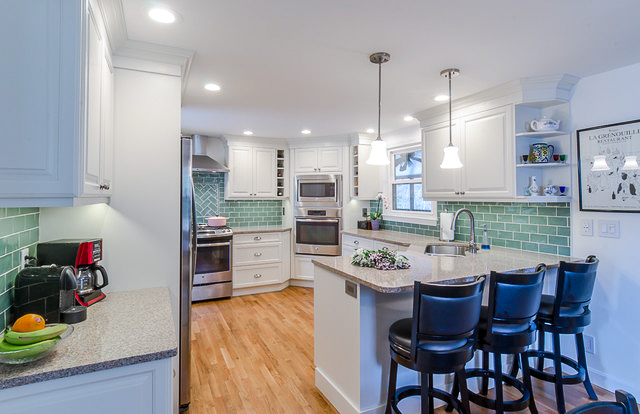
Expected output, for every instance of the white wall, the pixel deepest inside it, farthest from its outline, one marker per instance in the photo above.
(601, 99)
(140, 226)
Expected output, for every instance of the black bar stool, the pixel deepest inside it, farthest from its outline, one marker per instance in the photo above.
(507, 327)
(625, 403)
(566, 313)
(439, 339)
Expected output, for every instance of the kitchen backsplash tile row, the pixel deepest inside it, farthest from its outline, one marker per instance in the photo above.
(19, 229)
(538, 227)
(209, 189)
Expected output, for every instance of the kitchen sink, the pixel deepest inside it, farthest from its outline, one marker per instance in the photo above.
(445, 250)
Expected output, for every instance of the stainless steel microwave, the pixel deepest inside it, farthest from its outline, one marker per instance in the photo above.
(318, 190)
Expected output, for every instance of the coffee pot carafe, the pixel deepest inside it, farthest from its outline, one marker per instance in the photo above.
(89, 284)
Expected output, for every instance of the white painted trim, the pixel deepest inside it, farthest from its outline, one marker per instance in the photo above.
(306, 283)
(391, 216)
(143, 65)
(254, 290)
(315, 142)
(334, 395)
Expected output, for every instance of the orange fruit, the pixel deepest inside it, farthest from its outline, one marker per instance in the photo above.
(28, 323)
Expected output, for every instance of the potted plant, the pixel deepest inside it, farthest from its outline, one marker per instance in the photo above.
(377, 215)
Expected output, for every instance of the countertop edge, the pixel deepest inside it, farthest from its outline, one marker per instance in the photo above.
(86, 369)
(248, 230)
(377, 238)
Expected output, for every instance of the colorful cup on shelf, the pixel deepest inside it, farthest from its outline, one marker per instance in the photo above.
(563, 189)
(525, 158)
(556, 157)
(550, 190)
(563, 157)
(541, 152)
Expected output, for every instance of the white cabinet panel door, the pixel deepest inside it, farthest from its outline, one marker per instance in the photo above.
(93, 145)
(330, 159)
(306, 160)
(264, 172)
(106, 159)
(240, 175)
(488, 154)
(436, 181)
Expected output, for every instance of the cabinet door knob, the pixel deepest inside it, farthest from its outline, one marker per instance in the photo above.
(257, 275)
(356, 242)
(257, 238)
(257, 254)
(461, 192)
(457, 193)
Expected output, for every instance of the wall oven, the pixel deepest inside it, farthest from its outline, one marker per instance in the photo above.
(317, 231)
(318, 190)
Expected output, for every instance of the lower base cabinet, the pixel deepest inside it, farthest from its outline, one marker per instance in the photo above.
(303, 267)
(145, 388)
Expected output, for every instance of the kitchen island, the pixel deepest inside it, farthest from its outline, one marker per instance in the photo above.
(118, 360)
(354, 307)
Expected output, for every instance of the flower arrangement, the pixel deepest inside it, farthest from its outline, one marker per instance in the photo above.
(377, 215)
(383, 259)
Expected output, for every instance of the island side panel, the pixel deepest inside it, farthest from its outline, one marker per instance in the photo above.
(336, 341)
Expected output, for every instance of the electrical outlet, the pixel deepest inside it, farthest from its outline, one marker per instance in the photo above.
(364, 212)
(23, 254)
(589, 344)
(587, 227)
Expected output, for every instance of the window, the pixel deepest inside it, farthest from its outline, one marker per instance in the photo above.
(407, 204)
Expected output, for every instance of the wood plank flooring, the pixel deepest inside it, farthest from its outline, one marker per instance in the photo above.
(254, 354)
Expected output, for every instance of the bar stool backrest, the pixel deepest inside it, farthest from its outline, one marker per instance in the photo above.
(575, 287)
(514, 300)
(445, 312)
(625, 404)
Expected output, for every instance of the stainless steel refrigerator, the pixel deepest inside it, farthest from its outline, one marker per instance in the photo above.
(187, 267)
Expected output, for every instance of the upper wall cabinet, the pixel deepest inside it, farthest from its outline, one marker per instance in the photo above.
(318, 160)
(485, 142)
(57, 106)
(366, 180)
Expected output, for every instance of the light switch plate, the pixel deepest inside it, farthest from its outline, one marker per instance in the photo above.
(609, 228)
(587, 227)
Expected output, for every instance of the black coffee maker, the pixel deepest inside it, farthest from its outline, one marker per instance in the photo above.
(83, 255)
(49, 291)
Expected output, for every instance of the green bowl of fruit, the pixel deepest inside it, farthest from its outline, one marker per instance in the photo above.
(21, 344)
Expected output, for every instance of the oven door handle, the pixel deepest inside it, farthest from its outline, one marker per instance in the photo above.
(214, 244)
(329, 220)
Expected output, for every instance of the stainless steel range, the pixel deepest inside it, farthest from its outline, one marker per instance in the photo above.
(213, 274)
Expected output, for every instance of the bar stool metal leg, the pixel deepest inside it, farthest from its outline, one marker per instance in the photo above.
(582, 361)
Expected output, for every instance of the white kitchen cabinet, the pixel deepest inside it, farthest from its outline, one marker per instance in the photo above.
(53, 112)
(252, 173)
(260, 259)
(303, 268)
(485, 142)
(318, 160)
(366, 180)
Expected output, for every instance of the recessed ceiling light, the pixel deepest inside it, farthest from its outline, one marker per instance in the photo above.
(247, 132)
(162, 15)
(370, 131)
(409, 118)
(212, 87)
(305, 132)
(441, 98)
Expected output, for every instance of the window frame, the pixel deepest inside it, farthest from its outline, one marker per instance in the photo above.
(415, 217)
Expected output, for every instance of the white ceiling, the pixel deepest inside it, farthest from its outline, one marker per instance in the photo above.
(285, 65)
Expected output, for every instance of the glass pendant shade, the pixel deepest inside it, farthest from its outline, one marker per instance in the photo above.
(600, 163)
(378, 154)
(631, 163)
(451, 158)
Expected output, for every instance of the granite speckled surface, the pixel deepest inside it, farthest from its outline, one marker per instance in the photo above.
(432, 268)
(126, 328)
(260, 229)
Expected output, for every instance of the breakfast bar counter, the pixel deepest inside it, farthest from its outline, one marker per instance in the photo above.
(125, 346)
(355, 306)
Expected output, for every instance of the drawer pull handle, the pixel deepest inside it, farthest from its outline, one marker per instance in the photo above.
(257, 238)
(257, 276)
(356, 242)
(257, 254)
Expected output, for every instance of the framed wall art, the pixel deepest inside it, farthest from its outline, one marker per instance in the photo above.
(608, 171)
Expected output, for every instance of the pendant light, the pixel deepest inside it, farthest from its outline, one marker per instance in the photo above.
(378, 154)
(630, 163)
(451, 157)
(600, 163)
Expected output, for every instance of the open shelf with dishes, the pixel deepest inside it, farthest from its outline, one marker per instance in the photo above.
(544, 154)
(281, 173)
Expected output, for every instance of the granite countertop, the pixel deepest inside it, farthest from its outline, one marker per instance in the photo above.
(433, 268)
(125, 328)
(260, 229)
(395, 237)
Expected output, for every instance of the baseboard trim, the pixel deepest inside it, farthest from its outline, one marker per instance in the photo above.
(301, 283)
(260, 289)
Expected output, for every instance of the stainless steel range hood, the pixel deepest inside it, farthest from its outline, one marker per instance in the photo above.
(200, 160)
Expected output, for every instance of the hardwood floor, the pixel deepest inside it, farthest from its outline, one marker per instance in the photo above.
(254, 354)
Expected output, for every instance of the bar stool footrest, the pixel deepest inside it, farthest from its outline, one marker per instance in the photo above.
(509, 405)
(415, 390)
(576, 378)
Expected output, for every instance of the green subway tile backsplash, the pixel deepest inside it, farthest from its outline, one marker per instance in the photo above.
(542, 227)
(209, 189)
(19, 229)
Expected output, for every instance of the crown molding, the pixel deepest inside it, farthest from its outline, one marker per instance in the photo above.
(144, 56)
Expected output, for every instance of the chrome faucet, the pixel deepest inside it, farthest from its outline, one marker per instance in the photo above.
(472, 243)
